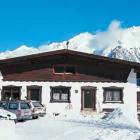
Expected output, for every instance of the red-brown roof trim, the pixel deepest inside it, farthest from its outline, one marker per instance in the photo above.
(65, 51)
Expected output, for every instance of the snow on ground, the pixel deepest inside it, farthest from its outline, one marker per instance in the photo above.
(7, 127)
(78, 127)
(7, 130)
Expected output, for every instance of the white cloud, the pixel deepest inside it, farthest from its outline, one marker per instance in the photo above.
(101, 42)
(21, 51)
(109, 38)
(116, 35)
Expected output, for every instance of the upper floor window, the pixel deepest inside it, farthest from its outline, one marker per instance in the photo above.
(65, 69)
(113, 95)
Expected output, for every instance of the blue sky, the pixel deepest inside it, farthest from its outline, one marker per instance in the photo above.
(37, 22)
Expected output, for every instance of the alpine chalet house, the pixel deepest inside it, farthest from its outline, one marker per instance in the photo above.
(66, 80)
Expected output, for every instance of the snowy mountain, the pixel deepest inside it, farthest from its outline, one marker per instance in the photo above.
(115, 42)
(132, 54)
(127, 47)
(81, 42)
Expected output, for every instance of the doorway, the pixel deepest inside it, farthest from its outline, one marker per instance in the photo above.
(88, 98)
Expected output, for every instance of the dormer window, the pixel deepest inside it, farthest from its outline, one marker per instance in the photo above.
(64, 69)
(59, 69)
(70, 69)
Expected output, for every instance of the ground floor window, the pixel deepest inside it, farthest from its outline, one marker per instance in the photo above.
(60, 94)
(11, 93)
(138, 101)
(113, 95)
(34, 93)
(138, 97)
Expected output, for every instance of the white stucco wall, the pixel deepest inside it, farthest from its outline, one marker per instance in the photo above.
(129, 94)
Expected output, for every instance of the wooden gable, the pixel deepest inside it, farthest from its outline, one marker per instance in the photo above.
(89, 68)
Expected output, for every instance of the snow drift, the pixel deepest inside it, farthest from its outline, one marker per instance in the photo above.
(7, 130)
(121, 116)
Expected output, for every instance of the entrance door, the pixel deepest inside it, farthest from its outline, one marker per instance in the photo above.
(138, 101)
(34, 93)
(88, 99)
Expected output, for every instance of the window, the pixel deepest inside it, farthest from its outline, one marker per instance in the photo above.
(59, 69)
(3, 105)
(60, 94)
(113, 95)
(66, 69)
(24, 106)
(11, 93)
(69, 69)
(34, 93)
(37, 104)
(13, 106)
(138, 96)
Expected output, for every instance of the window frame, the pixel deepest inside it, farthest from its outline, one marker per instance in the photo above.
(138, 97)
(11, 90)
(34, 87)
(60, 94)
(112, 96)
(10, 108)
(65, 68)
(22, 105)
